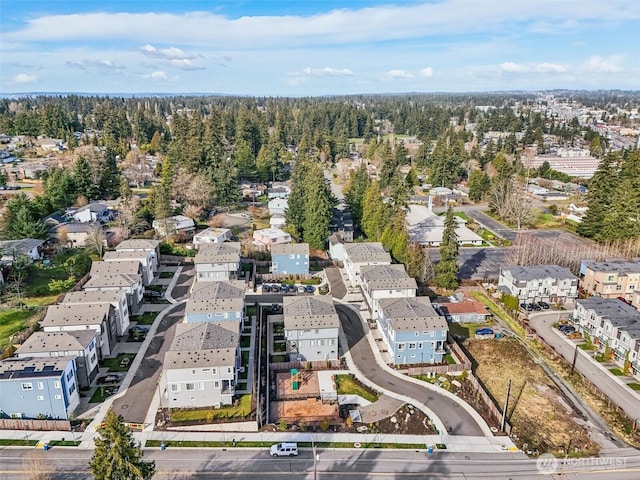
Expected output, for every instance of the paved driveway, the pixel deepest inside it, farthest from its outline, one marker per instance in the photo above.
(619, 394)
(338, 289)
(456, 418)
(493, 225)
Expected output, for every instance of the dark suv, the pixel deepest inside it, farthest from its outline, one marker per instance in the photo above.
(544, 305)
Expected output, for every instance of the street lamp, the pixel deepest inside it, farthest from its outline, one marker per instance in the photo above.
(315, 460)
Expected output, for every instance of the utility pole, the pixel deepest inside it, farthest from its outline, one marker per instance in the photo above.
(315, 460)
(504, 410)
(575, 358)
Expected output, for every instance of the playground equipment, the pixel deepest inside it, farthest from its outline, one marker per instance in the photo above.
(296, 379)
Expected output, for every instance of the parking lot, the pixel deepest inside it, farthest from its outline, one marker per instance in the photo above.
(287, 288)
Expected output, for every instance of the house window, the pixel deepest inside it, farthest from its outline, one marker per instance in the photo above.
(208, 315)
(214, 371)
(27, 386)
(229, 370)
(40, 386)
(193, 399)
(206, 369)
(200, 385)
(58, 397)
(56, 384)
(190, 387)
(618, 287)
(193, 372)
(175, 387)
(401, 346)
(420, 344)
(216, 384)
(329, 342)
(610, 278)
(292, 256)
(412, 346)
(417, 334)
(93, 358)
(40, 397)
(413, 355)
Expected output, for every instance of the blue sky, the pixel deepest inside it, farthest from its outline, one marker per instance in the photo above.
(317, 47)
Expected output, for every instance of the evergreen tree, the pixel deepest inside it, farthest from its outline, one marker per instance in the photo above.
(354, 192)
(84, 180)
(294, 214)
(117, 456)
(447, 268)
(318, 208)
(479, 185)
(395, 237)
(602, 188)
(374, 213)
(21, 219)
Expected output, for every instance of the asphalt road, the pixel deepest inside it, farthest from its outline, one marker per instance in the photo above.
(456, 418)
(623, 397)
(181, 463)
(493, 225)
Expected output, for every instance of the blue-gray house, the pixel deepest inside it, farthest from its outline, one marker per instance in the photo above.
(412, 330)
(38, 388)
(216, 302)
(290, 259)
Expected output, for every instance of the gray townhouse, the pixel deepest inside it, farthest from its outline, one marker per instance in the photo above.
(311, 327)
(412, 330)
(117, 298)
(290, 259)
(146, 259)
(142, 245)
(549, 283)
(200, 367)
(613, 324)
(385, 281)
(81, 344)
(217, 261)
(38, 387)
(216, 302)
(123, 276)
(99, 317)
(366, 253)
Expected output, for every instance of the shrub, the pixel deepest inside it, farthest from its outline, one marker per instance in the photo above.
(324, 425)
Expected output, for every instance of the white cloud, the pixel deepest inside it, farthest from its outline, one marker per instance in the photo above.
(185, 64)
(170, 53)
(544, 67)
(24, 78)
(102, 65)
(157, 75)
(399, 74)
(326, 72)
(426, 72)
(597, 64)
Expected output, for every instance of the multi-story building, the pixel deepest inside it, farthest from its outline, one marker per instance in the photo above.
(610, 279)
(385, 281)
(290, 259)
(117, 298)
(548, 283)
(125, 276)
(216, 302)
(146, 259)
(43, 388)
(200, 367)
(217, 261)
(311, 326)
(365, 253)
(412, 330)
(144, 245)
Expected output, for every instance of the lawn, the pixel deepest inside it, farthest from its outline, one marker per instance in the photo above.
(64, 443)
(166, 274)
(233, 443)
(449, 359)
(207, 414)
(467, 330)
(634, 386)
(617, 372)
(114, 363)
(245, 357)
(146, 318)
(100, 395)
(346, 385)
(494, 309)
(245, 341)
(14, 442)
(278, 358)
(12, 321)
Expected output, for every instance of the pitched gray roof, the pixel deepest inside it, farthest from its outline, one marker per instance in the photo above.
(20, 247)
(121, 255)
(621, 267)
(217, 297)
(366, 252)
(387, 277)
(536, 272)
(227, 252)
(618, 313)
(315, 311)
(138, 244)
(63, 315)
(39, 342)
(412, 314)
(290, 249)
(93, 296)
(123, 273)
(209, 344)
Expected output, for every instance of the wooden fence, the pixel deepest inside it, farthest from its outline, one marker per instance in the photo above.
(463, 363)
(305, 365)
(489, 402)
(33, 424)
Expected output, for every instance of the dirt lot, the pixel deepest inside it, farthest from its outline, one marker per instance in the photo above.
(542, 418)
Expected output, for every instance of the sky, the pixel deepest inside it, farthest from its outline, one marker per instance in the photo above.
(317, 47)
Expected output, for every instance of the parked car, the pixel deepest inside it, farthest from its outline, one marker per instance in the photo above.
(291, 289)
(569, 330)
(523, 306)
(301, 289)
(484, 331)
(310, 288)
(529, 307)
(544, 305)
(152, 295)
(284, 450)
(284, 288)
(266, 288)
(535, 306)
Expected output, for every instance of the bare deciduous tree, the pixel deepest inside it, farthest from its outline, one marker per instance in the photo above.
(96, 239)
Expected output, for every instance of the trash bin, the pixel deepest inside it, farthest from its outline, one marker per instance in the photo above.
(162, 446)
(429, 449)
(46, 447)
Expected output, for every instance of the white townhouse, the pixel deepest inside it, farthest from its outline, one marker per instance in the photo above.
(311, 327)
(217, 261)
(365, 253)
(117, 298)
(385, 281)
(549, 283)
(144, 245)
(200, 367)
(146, 259)
(123, 276)
(98, 317)
(211, 235)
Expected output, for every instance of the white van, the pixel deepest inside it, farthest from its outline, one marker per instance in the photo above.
(284, 450)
